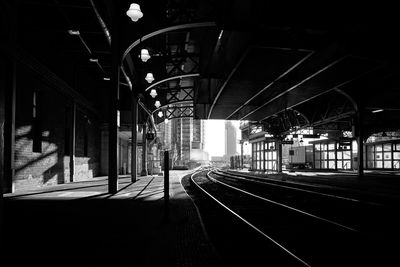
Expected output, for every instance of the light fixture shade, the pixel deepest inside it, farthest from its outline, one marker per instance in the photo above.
(149, 78)
(160, 114)
(134, 12)
(144, 54)
(166, 120)
(157, 104)
(153, 93)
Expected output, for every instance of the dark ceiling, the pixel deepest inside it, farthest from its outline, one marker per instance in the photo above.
(243, 60)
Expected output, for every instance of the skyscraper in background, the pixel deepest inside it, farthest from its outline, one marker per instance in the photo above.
(184, 138)
(230, 140)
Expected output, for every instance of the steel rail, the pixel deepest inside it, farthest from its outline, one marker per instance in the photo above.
(285, 206)
(284, 186)
(248, 223)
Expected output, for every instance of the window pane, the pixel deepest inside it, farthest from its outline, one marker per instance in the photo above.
(317, 147)
(317, 155)
(398, 147)
(346, 154)
(387, 155)
(378, 164)
(324, 155)
(396, 155)
(331, 146)
(332, 155)
(387, 164)
(387, 147)
(370, 149)
(339, 154)
(378, 147)
(323, 147)
(396, 164)
(378, 156)
(268, 165)
(324, 164)
(331, 164)
(346, 164)
(339, 164)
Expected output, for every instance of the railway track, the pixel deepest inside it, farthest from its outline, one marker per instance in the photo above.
(358, 214)
(298, 234)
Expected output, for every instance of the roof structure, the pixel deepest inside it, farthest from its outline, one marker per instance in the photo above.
(282, 65)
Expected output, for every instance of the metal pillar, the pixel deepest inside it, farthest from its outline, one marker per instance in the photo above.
(2, 120)
(113, 106)
(72, 143)
(360, 143)
(134, 106)
(166, 185)
(241, 154)
(144, 154)
(280, 156)
(9, 126)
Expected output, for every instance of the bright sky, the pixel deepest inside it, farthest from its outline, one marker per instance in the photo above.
(215, 137)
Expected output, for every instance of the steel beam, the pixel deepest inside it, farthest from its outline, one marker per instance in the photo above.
(233, 71)
(112, 108)
(144, 152)
(271, 83)
(134, 112)
(166, 30)
(72, 141)
(294, 87)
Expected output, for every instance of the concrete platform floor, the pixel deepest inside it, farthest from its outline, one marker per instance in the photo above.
(80, 224)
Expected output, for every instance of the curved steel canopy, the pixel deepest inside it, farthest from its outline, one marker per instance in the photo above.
(165, 30)
(172, 78)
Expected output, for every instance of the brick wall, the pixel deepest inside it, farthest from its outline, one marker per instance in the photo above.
(50, 166)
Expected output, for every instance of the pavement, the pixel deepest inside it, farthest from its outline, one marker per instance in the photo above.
(81, 224)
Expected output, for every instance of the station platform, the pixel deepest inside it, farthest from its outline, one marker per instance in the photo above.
(80, 224)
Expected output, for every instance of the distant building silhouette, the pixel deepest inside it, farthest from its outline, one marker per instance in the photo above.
(184, 138)
(230, 139)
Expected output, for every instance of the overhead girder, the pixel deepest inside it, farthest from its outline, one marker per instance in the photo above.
(250, 69)
(178, 63)
(173, 90)
(183, 109)
(334, 75)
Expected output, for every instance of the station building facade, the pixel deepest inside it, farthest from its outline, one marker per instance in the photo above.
(332, 154)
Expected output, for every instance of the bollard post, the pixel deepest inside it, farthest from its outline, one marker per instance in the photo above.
(166, 185)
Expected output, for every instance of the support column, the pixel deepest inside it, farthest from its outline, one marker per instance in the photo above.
(166, 185)
(72, 143)
(113, 93)
(279, 156)
(134, 106)
(144, 150)
(360, 143)
(9, 126)
(241, 154)
(2, 121)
